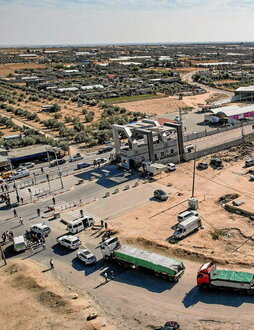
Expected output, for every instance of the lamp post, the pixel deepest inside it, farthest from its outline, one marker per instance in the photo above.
(15, 186)
(59, 171)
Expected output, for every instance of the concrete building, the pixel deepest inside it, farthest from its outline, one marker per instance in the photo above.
(146, 140)
(244, 94)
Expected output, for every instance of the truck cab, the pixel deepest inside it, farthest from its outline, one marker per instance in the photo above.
(109, 246)
(203, 277)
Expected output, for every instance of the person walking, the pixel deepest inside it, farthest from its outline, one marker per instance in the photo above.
(54, 201)
(105, 275)
(21, 222)
(102, 223)
(22, 200)
(4, 237)
(38, 212)
(81, 213)
(43, 246)
(106, 226)
(15, 214)
(2, 187)
(6, 187)
(42, 170)
(51, 264)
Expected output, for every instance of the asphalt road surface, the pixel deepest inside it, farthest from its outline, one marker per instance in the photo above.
(136, 298)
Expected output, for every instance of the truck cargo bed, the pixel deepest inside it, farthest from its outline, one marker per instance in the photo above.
(149, 260)
(232, 276)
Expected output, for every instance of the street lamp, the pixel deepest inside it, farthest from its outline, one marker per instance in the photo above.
(15, 186)
(59, 171)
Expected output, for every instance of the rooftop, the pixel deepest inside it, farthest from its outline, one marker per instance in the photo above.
(245, 89)
(233, 110)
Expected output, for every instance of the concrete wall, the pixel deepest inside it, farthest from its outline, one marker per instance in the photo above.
(204, 152)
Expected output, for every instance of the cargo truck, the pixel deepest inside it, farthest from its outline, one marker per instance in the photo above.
(127, 256)
(211, 278)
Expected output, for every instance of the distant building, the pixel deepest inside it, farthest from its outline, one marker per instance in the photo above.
(244, 94)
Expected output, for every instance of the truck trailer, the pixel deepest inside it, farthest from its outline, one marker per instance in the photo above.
(211, 278)
(127, 256)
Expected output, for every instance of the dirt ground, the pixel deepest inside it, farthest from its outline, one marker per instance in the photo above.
(6, 69)
(166, 104)
(152, 224)
(34, 299)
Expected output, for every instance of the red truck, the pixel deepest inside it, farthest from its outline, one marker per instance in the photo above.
(209, 277)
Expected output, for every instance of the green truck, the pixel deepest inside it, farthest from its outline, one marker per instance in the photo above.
(127, 256)
(209, 277)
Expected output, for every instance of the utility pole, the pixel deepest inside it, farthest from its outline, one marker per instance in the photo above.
(15, 186)
(194, 173)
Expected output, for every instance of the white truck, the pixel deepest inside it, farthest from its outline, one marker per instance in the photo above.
(80, 224)
(186, 227)
(128, 256)
(19, 244)
(187, 214)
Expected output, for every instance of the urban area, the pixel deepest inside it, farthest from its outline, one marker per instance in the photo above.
(126, 187)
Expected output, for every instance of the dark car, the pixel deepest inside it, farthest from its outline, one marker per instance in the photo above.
(160, 195)
(216, 162)
(170, 325)
(105, 149)
(202, 166)
(83, 165)
(55, 161)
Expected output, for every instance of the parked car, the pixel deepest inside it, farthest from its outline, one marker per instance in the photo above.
(171, 167)
(161, 195)
(41, 228)
(100, 160)
(76, 157)
(83, 165)
(27, 165)
(202, 166)
(19, 174)
(216, 162)
(55, 161)
(104, 149)
(69, 241)
(86, 256)
(249, 162)
(170, 325)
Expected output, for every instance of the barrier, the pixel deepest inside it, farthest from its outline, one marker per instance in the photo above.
(116, 191)
(127, 187)
(107, 194)
(136, 184)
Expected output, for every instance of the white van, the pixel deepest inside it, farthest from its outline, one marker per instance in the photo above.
(19, 243)
(187, 214)
(41, 228)
(80, 224)
(186, 227)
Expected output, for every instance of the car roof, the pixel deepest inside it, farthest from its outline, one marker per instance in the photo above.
(86, 252)
(70, 237)
(42, 225)
(160, 191)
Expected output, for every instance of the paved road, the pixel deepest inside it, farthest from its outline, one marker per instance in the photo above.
(188, 78)
(155, 300)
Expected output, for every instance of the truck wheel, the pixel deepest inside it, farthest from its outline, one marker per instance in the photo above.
(203, 286)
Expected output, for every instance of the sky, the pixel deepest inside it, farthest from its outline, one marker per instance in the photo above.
(70, 22)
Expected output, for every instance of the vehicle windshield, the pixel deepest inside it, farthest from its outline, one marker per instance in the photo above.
(76, 241)
(86, 253)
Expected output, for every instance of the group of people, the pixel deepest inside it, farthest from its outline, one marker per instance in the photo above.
(7, 236)
(5, 197)
(35, 238)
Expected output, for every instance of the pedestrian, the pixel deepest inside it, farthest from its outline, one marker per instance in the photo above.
(38, 212)
(2, 187)
(18, 199)
(105, 275)
(51, 264)
(7, 234)
(81, 213)
(11, 235)
(106, 226)
(4, 237)
(22, 200)
(6, 187)
(31, 249)
(42, 170)
(102, 223)
(15, 214)
(21, 222)
(54, 201)
(43, 246)
(112, 274)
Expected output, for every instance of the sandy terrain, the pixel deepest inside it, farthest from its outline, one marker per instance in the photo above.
(6, 69)
(166, 104)
(34, 299)
(151, 225)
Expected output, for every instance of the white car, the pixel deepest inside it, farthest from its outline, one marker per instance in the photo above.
(171, 167)
(76, 157)
(41, 228)
(86, 256)
(19, 174)
(69, 241)
(27, 165)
